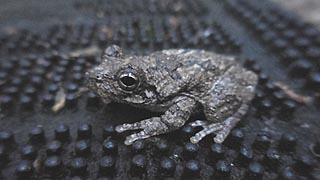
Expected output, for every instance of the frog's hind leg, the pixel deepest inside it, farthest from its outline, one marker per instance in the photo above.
(221, 129)
(230, 123)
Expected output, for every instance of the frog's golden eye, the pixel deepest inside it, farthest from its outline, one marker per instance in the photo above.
(128, 81)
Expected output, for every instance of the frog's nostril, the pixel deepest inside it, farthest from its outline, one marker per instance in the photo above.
(98, 78)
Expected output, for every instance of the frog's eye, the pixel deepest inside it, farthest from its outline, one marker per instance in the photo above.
(128, 81)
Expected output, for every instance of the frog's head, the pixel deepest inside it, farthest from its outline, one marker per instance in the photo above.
(121, 78)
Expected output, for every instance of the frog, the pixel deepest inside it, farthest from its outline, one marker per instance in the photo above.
(176, 83)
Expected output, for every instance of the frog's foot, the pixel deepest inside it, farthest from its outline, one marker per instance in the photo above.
(222, 129)
(207, 129)
(151, 127)
(227, 126)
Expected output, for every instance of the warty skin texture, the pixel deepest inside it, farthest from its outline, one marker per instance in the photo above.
(176, 82)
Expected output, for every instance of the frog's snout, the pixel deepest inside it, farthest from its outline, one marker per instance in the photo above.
(93, 76)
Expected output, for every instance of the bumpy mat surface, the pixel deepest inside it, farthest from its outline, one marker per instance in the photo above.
(51, 128)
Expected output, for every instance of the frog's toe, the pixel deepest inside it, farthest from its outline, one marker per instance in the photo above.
(199, 123)
(120, 128)
(136, 136)
(208, 129)
(123, 127)
(126, 127)
(200, 135)
(222, 135)
(228, 124)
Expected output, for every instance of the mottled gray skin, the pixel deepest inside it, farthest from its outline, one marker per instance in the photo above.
(176, 82)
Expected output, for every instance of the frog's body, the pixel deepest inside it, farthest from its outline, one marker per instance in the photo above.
(176, 82)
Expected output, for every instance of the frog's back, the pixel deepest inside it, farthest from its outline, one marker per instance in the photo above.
(194, 59)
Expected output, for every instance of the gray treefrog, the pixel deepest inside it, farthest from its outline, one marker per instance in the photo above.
(176, 82)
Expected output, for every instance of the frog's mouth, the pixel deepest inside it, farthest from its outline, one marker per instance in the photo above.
(101, 90)
(134, 100)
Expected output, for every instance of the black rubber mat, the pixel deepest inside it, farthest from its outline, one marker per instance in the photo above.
(51, 128)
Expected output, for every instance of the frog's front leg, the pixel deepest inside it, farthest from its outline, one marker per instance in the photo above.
(172, 119)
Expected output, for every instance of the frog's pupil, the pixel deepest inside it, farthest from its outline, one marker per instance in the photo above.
(128, 81)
